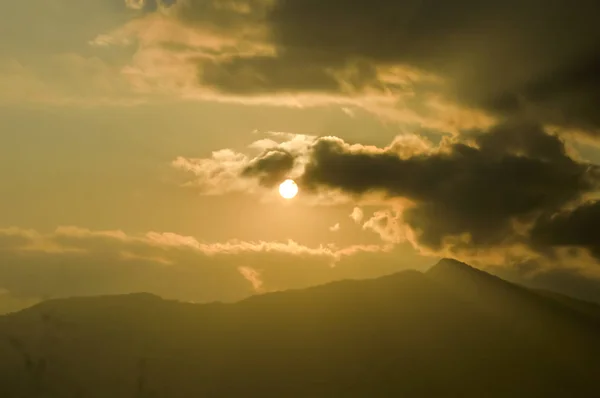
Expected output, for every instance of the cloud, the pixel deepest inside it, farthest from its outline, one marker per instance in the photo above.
(414, 61)
(479, 195)
(266, 74)
(571, 271)
(281, 156)
(252, 276)
(449, 68)
(357, 215)
(576, 227)
(388, 225)
(218, 174)
(511, 175)
(335, 227)
(135, 4)
(36, 266)
(68, 238)
(477, 47)
(229, 15)
(230, 51)
(271, 167)
(485, 191)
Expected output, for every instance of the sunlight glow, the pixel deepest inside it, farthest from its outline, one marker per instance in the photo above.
(288, 189)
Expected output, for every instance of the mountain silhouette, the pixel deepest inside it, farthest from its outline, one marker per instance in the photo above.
(453, 331)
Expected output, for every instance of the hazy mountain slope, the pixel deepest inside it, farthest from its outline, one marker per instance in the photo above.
(509, 301)
(452, 332)
(564, 282)
(590, 309)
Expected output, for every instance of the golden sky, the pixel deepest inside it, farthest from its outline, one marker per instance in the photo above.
(142, 143)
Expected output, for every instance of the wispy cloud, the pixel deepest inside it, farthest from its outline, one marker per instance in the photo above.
(357, 215)
(41, 265)
(388, 225)
(252, 276)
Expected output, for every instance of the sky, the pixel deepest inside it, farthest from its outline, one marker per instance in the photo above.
(142, 143)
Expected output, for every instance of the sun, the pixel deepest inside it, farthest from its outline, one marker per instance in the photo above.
(288, 189)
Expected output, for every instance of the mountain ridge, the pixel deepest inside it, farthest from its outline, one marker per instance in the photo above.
(453, 331)
(442, 266)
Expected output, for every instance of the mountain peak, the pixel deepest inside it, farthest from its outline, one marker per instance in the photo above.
(453, 271)
(446, 264)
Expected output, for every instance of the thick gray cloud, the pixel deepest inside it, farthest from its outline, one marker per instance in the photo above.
(576, 227)
(516, 173)
(513, 175)
(271, 167)
(512, 58)
(284, 74)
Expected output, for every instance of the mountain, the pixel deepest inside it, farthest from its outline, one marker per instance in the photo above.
(453, 331)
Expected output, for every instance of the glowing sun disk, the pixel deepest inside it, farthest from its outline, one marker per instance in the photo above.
(288, 189)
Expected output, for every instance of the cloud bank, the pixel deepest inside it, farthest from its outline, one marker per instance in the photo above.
(514, 187)
(75, 261)
(448, 67)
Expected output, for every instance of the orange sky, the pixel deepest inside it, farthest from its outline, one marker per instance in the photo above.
(142, 143)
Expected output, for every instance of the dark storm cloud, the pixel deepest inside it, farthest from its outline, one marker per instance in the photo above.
(506, 56)
(271, 168)
(438, 34)
(514, 57)
(254, 75)
(523, 138)
(578, 227)
(284, 74)
(569, 96)
(516, 172)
